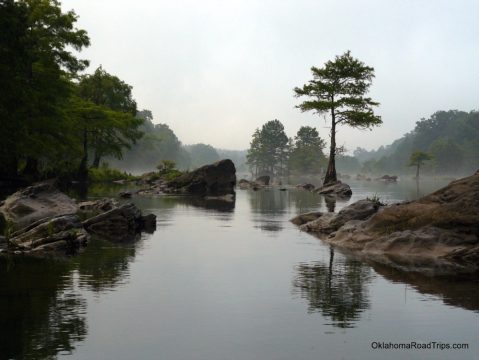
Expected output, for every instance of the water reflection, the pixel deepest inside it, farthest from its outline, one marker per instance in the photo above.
(42, 314)
(304, 201)
(104, 265)
(266, 205)
(337, 289)
(330, 203)
(457, 292)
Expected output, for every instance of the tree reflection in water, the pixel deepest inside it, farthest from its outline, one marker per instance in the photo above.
(41, 313)
(105, 265)
(337, 290)
(268, 206)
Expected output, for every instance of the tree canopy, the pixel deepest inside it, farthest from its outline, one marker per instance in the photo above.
(36, 64)
(338, 89)
(268, 152)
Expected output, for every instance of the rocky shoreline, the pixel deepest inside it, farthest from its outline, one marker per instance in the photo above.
(41, 219)
(438, 233)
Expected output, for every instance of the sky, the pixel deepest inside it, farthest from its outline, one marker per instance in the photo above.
(215, 70)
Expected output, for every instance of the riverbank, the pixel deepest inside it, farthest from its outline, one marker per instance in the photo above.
(438, 233)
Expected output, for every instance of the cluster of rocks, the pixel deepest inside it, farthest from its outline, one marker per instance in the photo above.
(337, 188)
(259, 183)
(40, 218)
(388, 178)
(215, 180)
(362, 177)
(441, 229)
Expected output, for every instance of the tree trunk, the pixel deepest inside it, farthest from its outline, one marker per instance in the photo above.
(83, 168)
(417, 172)
(331, 172)
(96, 160)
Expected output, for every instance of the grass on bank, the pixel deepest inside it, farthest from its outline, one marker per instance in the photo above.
(106, 174)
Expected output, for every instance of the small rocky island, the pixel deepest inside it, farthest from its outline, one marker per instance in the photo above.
(42, 219)
(217, 180)
(438, 232)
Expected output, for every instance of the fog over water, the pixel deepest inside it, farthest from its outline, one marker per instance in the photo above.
(216, 70)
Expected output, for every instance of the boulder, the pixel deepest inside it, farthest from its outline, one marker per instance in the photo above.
(306, 217)
(388, 178)
(263, 180)
(121, 223)
(125, 194)
(55, 223)
(244, 184)
(335, 189)
(440, 227)
(215, 180)
(36, 202)
(330, 222)
(306, 186)
(64, 232)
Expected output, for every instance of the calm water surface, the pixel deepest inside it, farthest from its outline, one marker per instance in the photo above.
(235, 282)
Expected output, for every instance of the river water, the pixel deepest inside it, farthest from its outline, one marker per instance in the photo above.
(238, 281)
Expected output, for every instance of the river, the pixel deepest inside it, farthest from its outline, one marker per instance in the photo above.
(238, 281)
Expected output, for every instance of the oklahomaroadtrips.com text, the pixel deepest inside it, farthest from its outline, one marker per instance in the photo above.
(378, 345)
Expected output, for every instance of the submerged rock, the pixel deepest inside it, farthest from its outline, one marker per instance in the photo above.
(307, 186)
(216, 179)
(337, 188)
(440, 227)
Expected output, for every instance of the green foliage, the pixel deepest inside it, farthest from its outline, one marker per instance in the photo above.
(114, 125)
(451, 137)
(269, 150)
(158, 143)
(376, 200)
(338, 89)
(36, 64)
(307, 155)
(167, 170)
(107, 174)
(418, 158)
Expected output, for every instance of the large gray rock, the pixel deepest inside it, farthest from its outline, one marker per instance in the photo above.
(330, 222)
(60, 233)
(120, 223)
(36, 202)
(215, 180)
(49, 221)
(335, 189)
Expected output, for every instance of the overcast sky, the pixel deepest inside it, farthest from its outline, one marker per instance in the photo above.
(214, 70)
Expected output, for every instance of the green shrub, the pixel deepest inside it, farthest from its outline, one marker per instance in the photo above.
(376, 200)
(107, 174)
(167, 170)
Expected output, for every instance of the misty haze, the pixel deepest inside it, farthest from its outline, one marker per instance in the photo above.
(239, 179)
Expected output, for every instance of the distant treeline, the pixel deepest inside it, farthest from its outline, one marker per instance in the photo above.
(450, 137)
(273, 153)
(159, 143)
(57, 121)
